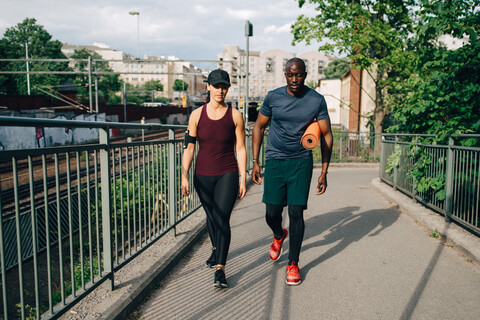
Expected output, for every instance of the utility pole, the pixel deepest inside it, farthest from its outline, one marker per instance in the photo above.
(28, 71)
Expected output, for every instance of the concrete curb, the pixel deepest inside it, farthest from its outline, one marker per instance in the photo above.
(130, 301)
(451, 233)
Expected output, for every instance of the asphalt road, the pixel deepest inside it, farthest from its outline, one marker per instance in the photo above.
(362, 258)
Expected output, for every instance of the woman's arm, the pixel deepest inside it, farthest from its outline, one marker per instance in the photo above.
(241, 152)
(189, 151)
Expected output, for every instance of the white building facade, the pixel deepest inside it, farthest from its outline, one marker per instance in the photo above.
(266, 69)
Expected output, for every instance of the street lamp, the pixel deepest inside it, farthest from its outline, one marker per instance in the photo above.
(248, 34)
(136, 13)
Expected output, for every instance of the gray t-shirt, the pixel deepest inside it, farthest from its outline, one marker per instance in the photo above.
(289, 118)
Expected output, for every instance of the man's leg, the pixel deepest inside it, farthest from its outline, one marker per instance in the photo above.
(273, 217)
(297, 230)
(274, 221)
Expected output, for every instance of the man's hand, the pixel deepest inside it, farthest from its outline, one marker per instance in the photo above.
(322, 183)
(256, 175)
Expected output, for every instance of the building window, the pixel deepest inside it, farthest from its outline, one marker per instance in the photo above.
(321, 65)
(269, 65)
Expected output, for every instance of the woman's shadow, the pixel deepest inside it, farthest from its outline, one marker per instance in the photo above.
(345, 227)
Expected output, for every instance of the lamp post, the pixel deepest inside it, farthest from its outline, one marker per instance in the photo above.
(136, 13)
(248, 34)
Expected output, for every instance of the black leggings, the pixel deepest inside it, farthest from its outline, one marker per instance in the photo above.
(296, 230)
(218, 195)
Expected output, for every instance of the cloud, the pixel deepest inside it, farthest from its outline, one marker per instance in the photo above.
(240, 14)
(184, 28)
(277, 30)
(200, 9)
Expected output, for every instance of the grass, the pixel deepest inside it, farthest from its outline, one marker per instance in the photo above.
(435, 234)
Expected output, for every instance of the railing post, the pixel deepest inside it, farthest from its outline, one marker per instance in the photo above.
(449, 181)
(341, 150)
(395, 168)
(249, 152)
(414, 187)
(106, 180)
(381, 167)
(172, 204)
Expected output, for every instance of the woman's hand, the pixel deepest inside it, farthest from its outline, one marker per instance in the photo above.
(185, 187)
(242, 189)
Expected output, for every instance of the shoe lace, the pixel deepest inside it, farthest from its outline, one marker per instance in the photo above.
(276, 244)
(292, 267)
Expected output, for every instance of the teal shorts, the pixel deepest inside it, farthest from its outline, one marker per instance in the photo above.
(287, 182)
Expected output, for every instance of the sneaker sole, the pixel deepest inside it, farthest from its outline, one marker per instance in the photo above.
(208, 265)
(293, 283)
(220, 285)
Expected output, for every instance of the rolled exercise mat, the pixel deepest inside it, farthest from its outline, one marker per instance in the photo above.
(311, 137)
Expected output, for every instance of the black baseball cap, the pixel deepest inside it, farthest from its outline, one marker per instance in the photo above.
(218, 76)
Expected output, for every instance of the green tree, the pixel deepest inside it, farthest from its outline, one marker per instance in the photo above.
(311, 84)
(40, 46)
(153, 85)
(337, 68)
(140, 93)
(442, 95)
(180, 85)
(108, 84)
(372, 33)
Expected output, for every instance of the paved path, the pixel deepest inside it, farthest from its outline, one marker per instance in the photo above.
(362, 258)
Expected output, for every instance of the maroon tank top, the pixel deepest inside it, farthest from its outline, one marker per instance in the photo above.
(216, 141)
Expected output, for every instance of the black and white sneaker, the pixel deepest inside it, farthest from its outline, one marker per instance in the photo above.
(211, 262)
(220, 280)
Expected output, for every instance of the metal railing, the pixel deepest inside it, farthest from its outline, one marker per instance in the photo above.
(73, 215)
(445, 178)
(347, 147)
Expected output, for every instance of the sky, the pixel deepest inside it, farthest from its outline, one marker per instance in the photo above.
(186, 29)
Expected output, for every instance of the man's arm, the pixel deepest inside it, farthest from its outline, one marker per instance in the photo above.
(257, 138)
(326, 144)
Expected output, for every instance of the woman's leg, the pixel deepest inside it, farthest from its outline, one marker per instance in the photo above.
(225, 195)
(205, 187)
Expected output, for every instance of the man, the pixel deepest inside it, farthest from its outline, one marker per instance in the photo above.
(288, 168)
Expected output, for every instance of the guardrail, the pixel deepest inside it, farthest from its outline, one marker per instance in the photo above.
(73, 215)
(445, 178)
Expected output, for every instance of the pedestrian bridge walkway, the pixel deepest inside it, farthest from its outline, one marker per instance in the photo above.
(362, 258)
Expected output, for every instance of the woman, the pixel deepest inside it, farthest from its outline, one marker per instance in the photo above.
(219, 176)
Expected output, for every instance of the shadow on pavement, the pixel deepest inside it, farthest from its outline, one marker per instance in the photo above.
(345, 227)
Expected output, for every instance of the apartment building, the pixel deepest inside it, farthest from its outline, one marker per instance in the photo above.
(266, 69)
(138, 71)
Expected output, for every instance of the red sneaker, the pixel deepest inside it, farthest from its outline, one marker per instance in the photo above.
(293, 275)
(276, 247)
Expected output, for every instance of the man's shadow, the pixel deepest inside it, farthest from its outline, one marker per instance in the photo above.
(346, 227)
